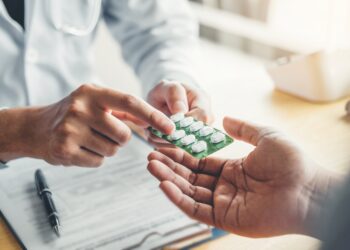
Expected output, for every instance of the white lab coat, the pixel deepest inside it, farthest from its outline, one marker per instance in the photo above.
(53, 55)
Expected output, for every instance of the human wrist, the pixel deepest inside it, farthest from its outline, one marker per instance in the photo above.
(17, 135)
(319, 193)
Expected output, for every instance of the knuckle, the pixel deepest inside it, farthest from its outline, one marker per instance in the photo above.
(267, 132)
(64, 130)
(174, 86)
(175, 91)
(67, 164)
(195, 209)
(112, 150)
(130, 100)
(192, 178)
(75, 109)
(84, 88)
(97, 163)
(154, 117)
(202, 164)
(192, 191)
(125, 135)
(241, 129)
(63, 152)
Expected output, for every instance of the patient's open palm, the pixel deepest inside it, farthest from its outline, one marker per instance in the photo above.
(259, 195)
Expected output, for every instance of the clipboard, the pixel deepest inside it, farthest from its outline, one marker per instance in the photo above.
(25, 232)
(187, 243)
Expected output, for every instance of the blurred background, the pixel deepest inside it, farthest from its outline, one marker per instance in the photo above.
(275, 28)
(236, 33)
(239, 40)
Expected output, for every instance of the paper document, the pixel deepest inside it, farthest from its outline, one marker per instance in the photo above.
(117, 206)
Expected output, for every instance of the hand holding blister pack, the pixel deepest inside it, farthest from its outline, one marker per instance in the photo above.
(195, 137)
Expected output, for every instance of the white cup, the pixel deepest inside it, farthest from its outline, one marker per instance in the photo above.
(318, 77)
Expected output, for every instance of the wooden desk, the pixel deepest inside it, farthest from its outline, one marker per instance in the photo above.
(7, 240)
(239, 87)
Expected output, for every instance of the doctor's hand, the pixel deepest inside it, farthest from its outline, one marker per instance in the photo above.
(172, 97)
(87, 126)
(267, 193)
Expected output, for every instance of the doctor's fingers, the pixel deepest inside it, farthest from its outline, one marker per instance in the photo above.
(200, 105)
(109, 126)
(99, 144)
(157, 142)
(176, 98)
(115, 100)
(86, 158)
(68, 152)
(125, 116)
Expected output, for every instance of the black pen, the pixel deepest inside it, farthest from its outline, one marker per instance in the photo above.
(46, 196)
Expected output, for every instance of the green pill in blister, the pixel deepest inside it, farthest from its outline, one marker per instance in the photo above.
(195, 137)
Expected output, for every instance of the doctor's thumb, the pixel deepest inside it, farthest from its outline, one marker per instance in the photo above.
(177, 99)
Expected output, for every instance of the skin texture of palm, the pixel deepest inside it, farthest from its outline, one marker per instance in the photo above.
(264, 194)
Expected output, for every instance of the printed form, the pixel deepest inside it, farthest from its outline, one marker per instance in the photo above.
(116, 206)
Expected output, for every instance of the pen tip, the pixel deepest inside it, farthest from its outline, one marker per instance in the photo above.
(57, 231)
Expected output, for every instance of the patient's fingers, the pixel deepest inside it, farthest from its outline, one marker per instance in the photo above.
(194, 209)
(154, 138)
(210, 165)
(201, 180)
(176, 167)
(164, 173)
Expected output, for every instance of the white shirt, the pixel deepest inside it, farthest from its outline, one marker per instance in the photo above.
(52, 57)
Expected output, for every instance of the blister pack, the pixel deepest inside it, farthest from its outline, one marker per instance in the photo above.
(195, 137)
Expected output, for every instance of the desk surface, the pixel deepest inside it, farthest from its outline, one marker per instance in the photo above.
(239, 87)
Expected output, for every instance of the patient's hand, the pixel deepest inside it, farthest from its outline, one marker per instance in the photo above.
(264, 194)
